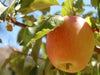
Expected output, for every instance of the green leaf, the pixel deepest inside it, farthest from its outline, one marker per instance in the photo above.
(20, 36)
(28, 35)
(67, 7)
(33, 5)
(28, 20)
(91, 21)
(36, 49)
(94, 3)
(44, 11)
(40, 65)
(78, 7)
(45, 26)
(97, 38)
(78, 4)
(99, 10)
(40, 34)
(43, 47)
(40, 29)
(29, 64)
(49, 68)
(16, 61)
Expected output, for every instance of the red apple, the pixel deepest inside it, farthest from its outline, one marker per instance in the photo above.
(70, 46)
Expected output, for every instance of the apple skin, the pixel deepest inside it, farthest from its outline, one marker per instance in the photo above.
(70, 46)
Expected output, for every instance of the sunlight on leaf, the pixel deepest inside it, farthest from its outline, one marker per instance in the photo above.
(67, 7)
(33, 5)
(94, 3)
(40, 34)
(2, 8)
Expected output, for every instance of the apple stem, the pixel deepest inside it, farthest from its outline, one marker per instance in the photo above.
(68, 65)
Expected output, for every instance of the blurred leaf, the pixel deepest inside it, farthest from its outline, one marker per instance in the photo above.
(28, 35)
(34, 71)
(99, 10)
(20, 36)
(31, 17)
(94, 3)
(33, 5)
(97, 38)
(67, 7)
(49, 68)
(36, 49)
(12, 5)
(4, 14)
(41, 17)
(91, 21)
(78, 73)
(2, 8)
(5, 63)
(90, 14)
(44, 11)
(40, 29)
(43, 47)
(29, 20)
(29, 64)
(72, 7)
(41, 64)
(26, 48)
(78, 4)
(17, 62)
(78, 7)
(45, 26)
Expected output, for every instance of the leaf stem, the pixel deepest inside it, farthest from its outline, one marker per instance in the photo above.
(65, 8)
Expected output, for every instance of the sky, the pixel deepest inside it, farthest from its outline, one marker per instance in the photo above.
(10, 38)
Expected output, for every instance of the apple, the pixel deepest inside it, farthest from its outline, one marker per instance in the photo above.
(70, 46)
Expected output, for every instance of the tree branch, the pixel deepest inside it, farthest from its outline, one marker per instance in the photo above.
(21, 53)
(97, 50)
(14, 22)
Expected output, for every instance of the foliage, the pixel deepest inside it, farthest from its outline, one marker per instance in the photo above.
(31, 60)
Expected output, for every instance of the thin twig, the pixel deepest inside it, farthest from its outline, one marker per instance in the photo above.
(14, 22)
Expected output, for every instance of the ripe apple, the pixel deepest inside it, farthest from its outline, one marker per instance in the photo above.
(70, 46)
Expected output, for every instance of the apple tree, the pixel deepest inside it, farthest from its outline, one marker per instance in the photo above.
(33, 58)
